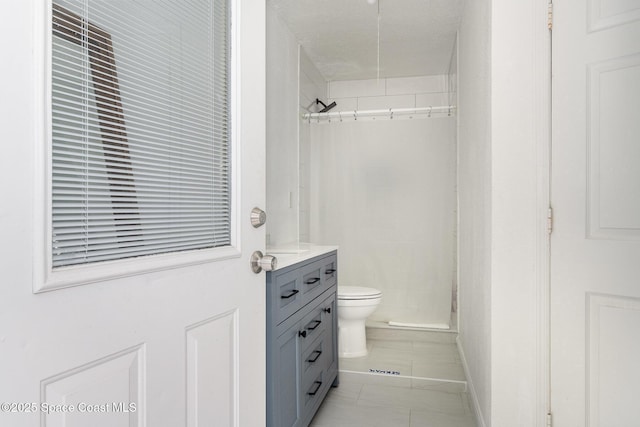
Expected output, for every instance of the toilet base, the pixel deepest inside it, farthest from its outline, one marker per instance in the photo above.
(352, 338)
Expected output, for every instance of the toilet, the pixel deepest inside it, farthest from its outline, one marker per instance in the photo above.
(355, 304)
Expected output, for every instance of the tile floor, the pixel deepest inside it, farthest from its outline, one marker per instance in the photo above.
(408, 379)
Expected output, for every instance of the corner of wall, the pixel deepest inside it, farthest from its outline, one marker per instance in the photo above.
(471, 389)
(474, 192)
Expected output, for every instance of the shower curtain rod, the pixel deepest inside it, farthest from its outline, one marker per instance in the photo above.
(388, 112)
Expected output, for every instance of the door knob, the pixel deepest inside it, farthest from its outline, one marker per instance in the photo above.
(261, 262)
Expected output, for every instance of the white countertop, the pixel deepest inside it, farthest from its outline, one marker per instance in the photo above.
(288, 256)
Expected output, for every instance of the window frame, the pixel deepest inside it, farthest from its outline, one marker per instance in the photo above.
(47, 278)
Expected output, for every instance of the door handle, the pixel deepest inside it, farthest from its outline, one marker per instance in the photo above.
(316, 354)
(290, 294)
(314, 324)
(317, 385)
(261, 262)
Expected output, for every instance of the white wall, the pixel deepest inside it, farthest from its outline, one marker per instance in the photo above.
(519, 149)
(503, 142)
(282, 133)
(312, 86)
(402, 92)
(293, 84)
(474, 194)
(384, 191)
(452, 91)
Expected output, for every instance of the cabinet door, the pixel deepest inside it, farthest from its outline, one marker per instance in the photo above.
(331, 317)
(284, 380)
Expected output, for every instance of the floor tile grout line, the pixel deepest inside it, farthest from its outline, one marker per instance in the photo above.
(359, 393)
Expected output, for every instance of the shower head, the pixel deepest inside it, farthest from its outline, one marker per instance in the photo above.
(326, 107)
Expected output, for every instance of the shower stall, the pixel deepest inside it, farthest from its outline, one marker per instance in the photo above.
(384, 191)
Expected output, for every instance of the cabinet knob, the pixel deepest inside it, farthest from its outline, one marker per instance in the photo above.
(302, 334)
(327, 310)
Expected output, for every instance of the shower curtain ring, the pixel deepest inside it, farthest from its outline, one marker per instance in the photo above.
(449, 111)
(355, 115)
(390, 114)
(430, 108)
(340, 114)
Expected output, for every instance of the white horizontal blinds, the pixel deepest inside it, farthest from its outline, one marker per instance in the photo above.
(140, 128)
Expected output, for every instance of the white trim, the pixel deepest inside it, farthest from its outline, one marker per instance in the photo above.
(236, 119)
(542, 119)
(42, 169)
(470, 387)
(236, 116)
(64, 277)
(45, 277)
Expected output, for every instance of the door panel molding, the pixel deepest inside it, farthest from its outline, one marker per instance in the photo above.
(113, 388)
(612, 354)
(613, 187)
(600, 19)
(212, 372)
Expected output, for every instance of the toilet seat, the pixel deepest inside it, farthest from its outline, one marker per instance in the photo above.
(357, 293)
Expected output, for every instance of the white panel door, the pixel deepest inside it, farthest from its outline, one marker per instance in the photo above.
(173, 347)
(595, 244)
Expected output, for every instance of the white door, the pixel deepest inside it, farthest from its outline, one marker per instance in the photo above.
(180, 346)
(595, 244)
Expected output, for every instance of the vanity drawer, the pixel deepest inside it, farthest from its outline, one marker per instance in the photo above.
(316, 322)
(286, 295)
(291, 289)
(330, 270)
(313, 359)
(319, 276)
(313, 391)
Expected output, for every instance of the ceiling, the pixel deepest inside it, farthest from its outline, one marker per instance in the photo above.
(341, 36)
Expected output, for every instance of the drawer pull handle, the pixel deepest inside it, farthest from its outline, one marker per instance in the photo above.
(312, 281)
(316, 323)
(317, 354)
(302, 334)
(290, 294)
(330, 271)
(327, 310)
(318, 384)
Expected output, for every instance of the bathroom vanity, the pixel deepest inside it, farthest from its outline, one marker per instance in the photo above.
(302, 334)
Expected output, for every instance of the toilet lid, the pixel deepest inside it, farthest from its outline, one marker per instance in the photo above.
(357, 292)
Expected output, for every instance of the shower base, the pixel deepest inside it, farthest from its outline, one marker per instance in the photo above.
(417, 325)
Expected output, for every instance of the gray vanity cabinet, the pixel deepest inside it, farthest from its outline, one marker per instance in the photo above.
(302, 340)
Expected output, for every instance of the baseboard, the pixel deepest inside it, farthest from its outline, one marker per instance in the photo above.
(470, 387)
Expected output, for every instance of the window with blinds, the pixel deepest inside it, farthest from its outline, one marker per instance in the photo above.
(140, 128)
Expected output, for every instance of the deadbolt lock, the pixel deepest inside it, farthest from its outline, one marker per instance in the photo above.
(258, 217)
